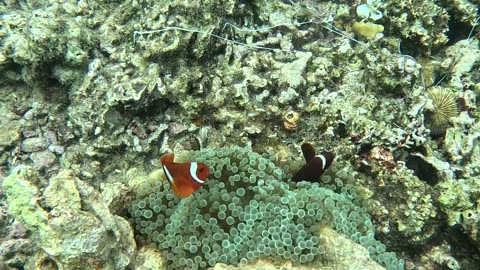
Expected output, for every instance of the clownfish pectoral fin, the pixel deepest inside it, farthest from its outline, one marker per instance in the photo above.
(308, 151)
(167, 158)
(182, 191)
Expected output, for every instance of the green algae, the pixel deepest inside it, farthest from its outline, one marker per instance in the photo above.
(23, 197)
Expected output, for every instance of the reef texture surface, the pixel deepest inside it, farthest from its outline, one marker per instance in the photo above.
(94, 92)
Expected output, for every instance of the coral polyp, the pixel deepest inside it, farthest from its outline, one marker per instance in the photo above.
(290, 120)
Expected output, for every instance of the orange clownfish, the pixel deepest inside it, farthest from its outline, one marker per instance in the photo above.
(184, 178)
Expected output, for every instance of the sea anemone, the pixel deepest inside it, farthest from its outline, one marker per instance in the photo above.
(444, 106)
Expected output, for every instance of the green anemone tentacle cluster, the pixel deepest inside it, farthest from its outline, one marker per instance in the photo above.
(245, 211)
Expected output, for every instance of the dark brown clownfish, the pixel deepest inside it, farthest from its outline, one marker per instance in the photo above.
(315, 165)
(184, 178)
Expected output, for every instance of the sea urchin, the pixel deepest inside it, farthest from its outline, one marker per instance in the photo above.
(444, 107)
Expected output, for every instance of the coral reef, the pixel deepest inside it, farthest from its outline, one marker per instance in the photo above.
(94, 92)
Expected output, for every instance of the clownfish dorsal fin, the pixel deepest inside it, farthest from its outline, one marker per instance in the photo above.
(167, 158)
(308, 151)
(315, 165)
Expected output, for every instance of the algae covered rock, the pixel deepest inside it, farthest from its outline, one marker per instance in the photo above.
(149, 258)
(459, 201)
(62, 192)
(23, 195)
(10, 134)
(64, 231)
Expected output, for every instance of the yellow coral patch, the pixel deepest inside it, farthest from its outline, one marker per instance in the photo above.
(367, 31)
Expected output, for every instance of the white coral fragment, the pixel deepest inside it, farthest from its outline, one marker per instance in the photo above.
(369, 10)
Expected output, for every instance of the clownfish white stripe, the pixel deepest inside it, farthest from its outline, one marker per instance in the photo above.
(324, 161)
(193, 172)
(167, 173)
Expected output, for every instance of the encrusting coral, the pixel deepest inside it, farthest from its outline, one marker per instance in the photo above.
(66, 235)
